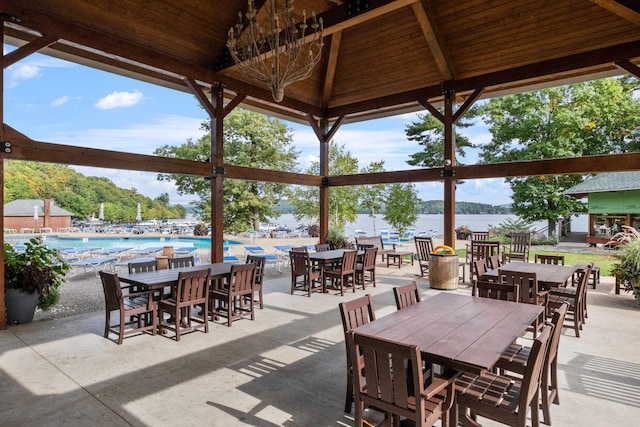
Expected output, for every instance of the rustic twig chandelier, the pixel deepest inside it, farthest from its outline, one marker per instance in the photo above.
(278, 51)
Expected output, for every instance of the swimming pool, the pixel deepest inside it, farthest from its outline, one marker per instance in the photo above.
(135, 242)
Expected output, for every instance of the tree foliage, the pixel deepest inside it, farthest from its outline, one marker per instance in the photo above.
(253, 140)
(401, 206)
(429, 133)
(343, 201)
(82, 195)
(598, 117)
(372, 196)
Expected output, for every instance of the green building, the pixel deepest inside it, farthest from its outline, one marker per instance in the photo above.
(614, 201)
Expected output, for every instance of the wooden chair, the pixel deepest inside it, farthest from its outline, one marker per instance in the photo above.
(354, 313)
(229, 301)
(192, 291)
(518, 248)
(377, 242)
(300, 249)
(142, 266)
(303, 273)
(479, 267)
(549, 259)
(481, 249)
(138, 307)
(575, 301)
(505, 399)
(516, 357)
(323, 248)
(479, 235)
(258, 277)
(488, 289)
(342, 276)
(367, 266)
(424, 247)
(180, 262)
(529, 291)
(406, 295)
(385, 380)
(494, 262)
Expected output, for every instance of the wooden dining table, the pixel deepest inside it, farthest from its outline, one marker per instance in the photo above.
(154, 280)
(548, 275)
(457, 331)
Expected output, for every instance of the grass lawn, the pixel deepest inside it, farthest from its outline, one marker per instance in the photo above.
(604, 261)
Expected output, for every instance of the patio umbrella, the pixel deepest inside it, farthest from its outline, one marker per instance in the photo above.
(139, 214)
(101, 214)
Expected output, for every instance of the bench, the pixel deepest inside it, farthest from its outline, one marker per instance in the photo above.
(376, 242)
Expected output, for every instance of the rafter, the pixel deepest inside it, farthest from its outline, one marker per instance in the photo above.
(631, 14)
(432, 36)
(28, 49)
(330, 71)
(629, 67)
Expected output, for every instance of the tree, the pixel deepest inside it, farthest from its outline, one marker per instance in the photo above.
(253, 140)
(429, 133)
(372, 196)
(597, 117)
(401, 206)
(343, 201)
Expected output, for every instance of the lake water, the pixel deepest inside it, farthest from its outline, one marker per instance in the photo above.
(434, 222)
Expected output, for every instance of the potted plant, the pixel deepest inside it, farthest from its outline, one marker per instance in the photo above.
(628, 270)
(31, 278)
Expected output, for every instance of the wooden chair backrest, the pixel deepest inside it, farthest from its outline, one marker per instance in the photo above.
(581, 288)
(180, 262)
(557, 321)
(323, 248)
(494, 262)
(480, 267)
(259, 261)
(193, 286)
(388, 381)
(494, 290)
(549, 259)
(112, 291)
(527, 283)
(375, 241)
(242, 278)
(348, 265)
(355, 313)
(520, 243)
(299, 262)
(369, 262)
(479, 235)
(300, 249)
(424, 247)
(483, 249)
(142, 266)
(532, 377)
(406, 295)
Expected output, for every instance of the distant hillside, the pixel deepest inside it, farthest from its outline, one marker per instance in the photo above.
(82, 194)
(430, 207)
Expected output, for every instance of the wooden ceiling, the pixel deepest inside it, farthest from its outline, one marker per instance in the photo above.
(381, 57)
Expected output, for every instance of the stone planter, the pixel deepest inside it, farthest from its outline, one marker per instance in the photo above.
(21, 306)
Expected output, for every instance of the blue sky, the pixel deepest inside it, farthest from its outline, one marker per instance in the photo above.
(56, 101)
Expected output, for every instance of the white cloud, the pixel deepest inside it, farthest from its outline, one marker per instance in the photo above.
(60, 101)
(119, 99)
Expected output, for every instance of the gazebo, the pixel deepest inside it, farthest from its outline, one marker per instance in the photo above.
(379, 58)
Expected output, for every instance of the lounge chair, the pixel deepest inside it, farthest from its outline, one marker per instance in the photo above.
(259, 250)
(97, 264)
(115, 252)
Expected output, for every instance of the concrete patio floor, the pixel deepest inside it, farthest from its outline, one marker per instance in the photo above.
(286, 368)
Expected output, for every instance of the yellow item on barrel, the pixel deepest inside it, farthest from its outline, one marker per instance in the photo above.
(443, 249)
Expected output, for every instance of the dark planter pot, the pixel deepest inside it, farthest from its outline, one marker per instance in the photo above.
(21, 306)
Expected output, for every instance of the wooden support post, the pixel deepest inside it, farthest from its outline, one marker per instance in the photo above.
(449, 176)
(217, 177)
(324, 188)
(3, 312)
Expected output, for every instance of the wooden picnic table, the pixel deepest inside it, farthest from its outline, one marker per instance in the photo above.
(548, 275)
(458, 331)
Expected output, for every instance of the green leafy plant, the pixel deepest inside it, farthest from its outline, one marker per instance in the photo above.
(36, 269)
(336, 239)
(628, 269)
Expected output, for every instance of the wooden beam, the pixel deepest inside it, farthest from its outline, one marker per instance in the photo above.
(630, 12)
(467, 104)
(28, 49)
(330, 70)
(23, 148)
(432, 36)
(3, 311)
(433, 110)
(234, 103)
(394, 177)
(202, 98)
(592, 58)
(630, 67)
